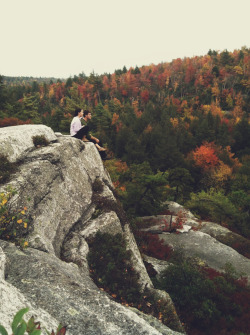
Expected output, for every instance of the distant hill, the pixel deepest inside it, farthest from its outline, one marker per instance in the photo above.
(9, 81)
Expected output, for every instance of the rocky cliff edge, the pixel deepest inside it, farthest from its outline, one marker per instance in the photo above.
(55, 183)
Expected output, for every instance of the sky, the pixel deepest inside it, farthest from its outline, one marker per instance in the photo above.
(63, 38)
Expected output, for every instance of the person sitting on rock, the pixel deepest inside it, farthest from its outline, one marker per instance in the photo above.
(79, 131)
(86, 117)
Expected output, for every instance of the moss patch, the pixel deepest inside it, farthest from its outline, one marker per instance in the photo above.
(40, 140)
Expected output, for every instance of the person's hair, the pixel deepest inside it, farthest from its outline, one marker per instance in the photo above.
(86, 112)
(77, 111)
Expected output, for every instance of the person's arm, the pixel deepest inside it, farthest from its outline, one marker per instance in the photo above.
(89, 135)
(94, 138)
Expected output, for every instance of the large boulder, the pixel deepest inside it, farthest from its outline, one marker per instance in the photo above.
(210, 251)
(226, 236)
(55, 184)
(12, 300)
(209, 243)
(16, 141)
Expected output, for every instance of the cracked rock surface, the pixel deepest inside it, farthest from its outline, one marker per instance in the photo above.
(55, 184)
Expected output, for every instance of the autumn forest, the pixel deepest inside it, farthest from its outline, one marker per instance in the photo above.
(188, 118)
(175, 131)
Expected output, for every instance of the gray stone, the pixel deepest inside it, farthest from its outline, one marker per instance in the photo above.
(55, 184)
(57, 180)
(158, 265)
(208, 250)
(184, 229)
(69, 295)
(12, 300)
(178, 209)
(16, 141)
(2, 263)
(136, 259)
(214, 229)
(75, 249)
(144, 279)
(105, 223)
(154, 322)
(162, 222)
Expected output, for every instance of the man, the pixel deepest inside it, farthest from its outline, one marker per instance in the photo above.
(86, 117)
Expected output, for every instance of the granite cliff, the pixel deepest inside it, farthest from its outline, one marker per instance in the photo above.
(51, 276)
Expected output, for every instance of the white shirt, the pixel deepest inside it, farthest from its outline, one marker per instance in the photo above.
(75, 125)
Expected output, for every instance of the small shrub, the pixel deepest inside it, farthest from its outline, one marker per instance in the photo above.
(14, 225)
(110, 267)
(97, 185)
(153, 246)
(40, 140)
(104, 204)
(218, 303)
(20, 327)
(6, 169)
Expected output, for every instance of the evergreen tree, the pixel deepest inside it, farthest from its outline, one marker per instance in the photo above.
(69, 82)
(166, 152)
(56, 120)
(181, 180)
(144, 190)
(226, 58)
(29, 108)
(3, 94)
(213, 205)
(101, 123)
(241, 138)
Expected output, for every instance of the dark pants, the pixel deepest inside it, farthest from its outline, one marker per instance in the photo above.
(82, 132)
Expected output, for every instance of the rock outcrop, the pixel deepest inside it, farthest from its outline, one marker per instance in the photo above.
(209, 243)
(63, 292)
(17, 142)
(55, 183)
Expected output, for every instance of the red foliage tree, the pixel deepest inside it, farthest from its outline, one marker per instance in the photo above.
(205, 156)
(12, 121)
(145, 95)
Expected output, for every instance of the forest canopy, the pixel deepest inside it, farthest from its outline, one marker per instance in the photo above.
(186, 120)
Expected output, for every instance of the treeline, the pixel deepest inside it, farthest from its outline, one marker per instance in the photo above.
(181, 127)
(21, 80)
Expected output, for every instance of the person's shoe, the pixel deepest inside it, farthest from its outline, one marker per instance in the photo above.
(106, 158)
(102, 149)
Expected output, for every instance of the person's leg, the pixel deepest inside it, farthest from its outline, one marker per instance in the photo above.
(103, 154)
(81, 134)
(98, 145)
(101, 150)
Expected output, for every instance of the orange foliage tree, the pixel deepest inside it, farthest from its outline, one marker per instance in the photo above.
(205, 156)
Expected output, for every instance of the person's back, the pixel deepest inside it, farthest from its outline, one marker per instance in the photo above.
(76, 129)
(74, 126)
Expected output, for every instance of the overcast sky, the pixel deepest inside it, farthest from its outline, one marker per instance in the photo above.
(62, 38)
